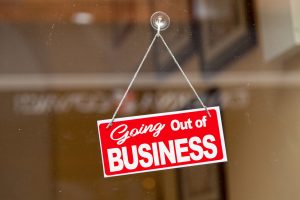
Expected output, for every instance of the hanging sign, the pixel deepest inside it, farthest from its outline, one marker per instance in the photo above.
(161, 141)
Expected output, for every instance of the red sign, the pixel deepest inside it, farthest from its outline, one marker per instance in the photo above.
(161, 141)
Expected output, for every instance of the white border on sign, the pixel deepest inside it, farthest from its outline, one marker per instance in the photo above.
(217, 108)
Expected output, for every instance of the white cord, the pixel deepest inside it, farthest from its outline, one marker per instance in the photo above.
(131, 82)
(184, 75)
(140, 65)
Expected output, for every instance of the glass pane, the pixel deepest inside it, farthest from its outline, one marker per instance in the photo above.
(66, 64)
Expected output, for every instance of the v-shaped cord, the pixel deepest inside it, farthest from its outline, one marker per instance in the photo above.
(158, 35)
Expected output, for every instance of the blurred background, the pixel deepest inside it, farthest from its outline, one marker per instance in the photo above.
(64, 64)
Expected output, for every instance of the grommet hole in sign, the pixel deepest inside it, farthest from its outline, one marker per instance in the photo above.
(191, 137)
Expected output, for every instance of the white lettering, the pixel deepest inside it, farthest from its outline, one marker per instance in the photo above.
(194, 144)
(180, 150)
(207, 143)
(134, 163)
(166, 152)
(121, 132)
(114, 156)
(146, 155)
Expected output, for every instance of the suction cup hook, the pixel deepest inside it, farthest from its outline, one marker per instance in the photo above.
(161, 19)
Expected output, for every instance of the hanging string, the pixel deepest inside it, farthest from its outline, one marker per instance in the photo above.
(157, 35)
(131, 82)
(184, 75)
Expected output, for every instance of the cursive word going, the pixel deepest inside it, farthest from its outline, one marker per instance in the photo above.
(121, 133)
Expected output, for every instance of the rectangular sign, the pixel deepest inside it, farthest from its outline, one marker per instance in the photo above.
(161, 141)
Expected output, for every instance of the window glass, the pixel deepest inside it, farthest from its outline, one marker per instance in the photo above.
(66, 64)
